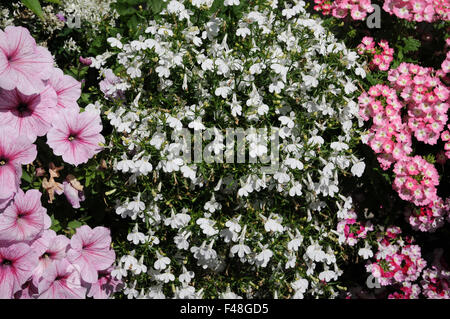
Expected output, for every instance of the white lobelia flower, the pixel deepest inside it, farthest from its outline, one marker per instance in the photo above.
(162, 262)
(231, 2)
(358, 169)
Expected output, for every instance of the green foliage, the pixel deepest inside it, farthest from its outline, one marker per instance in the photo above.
(35, 6)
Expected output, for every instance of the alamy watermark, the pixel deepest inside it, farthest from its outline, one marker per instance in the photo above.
(229, 145)
(373, 21)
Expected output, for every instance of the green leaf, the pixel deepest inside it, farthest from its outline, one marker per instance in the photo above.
(74, 224)
(411, 45)
(35, 6)
(53, 1)
(26, 177)
(55, 224)
(156, 6)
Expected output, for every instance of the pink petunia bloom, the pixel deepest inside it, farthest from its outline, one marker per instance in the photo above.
(24, 219)
(61, 281)
(17, 263)
(4, 202)
(105, 286)
(90, 251)
(76, 136)
(28, 291)
(67, 89)
(49, 247)
(73, 195)
(23, 64)
(15, 151)
(27, 115)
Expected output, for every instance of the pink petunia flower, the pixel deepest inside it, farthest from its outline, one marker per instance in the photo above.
(49, 247)
(61, 280)
(67, 89)
(27, 115)
(23, 65)
(15, 151)
(24, 219)
(76, 136)
(28, 291)
(73, 195)
(105, 286)
(17, 263)
(90, 251)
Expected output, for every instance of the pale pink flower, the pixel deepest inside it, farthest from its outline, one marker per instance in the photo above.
(28, 291)
(24, 219)
(67, 89)
(15, 151)
(49, 247)
(23, 65)
(90, 251)
(105, 286)
(61, 280)
(27, 115)
(73, 195)
(17, 263)
(76, 136)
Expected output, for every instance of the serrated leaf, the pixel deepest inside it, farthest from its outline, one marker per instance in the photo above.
(35, 6)
(411, 45)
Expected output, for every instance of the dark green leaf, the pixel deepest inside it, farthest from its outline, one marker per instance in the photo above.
(35, 6)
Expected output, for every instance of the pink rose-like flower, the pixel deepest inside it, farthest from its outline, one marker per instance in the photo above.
(68, 90)
(49, 247)
(23, 65)
(61, 281)
(76, 136)
(90, 251)
(24, 219)
(17, 262)
(27, 115)
(15, 151)
(105, 286)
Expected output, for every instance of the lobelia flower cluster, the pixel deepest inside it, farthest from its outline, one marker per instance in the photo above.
(274, 67)
(382, 55)
(37, 99)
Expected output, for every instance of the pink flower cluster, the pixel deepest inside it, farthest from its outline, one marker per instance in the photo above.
(397, 260)
(426, 98)
(419, 10)
(428, 218)
(37, 99)
(414, 10)
(358, 8)
(350, 231)
(324, 6)
(388, 137)
(416, 180)
(436, 283)
(382, 55)
(408, 291)
(37, 263)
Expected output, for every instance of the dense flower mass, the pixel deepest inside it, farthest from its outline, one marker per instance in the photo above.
(224, 149)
